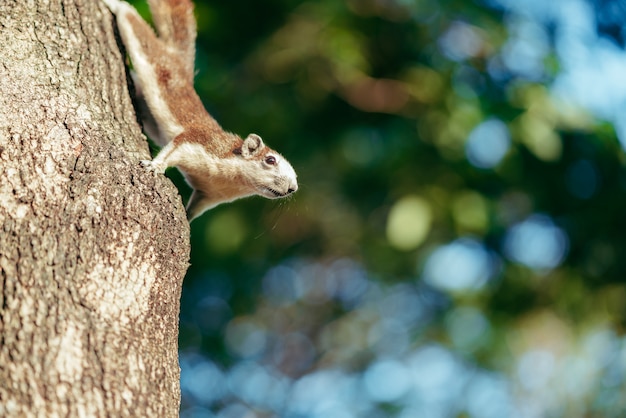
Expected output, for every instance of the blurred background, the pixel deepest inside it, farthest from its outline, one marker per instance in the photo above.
(457, 247)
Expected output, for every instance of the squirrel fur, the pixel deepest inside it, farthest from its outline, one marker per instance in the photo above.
(219, 165)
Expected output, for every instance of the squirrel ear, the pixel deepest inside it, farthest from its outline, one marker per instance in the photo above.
(252, 146)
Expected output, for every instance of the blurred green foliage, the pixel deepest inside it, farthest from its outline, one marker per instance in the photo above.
(457, 235)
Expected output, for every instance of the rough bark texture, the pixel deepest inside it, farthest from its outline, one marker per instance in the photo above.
(93, 248)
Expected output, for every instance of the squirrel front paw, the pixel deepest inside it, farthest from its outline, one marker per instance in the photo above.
(150, 165)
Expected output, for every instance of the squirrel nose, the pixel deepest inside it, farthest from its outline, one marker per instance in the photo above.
(292, 188)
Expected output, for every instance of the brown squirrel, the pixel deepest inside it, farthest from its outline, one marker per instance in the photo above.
(219, 165)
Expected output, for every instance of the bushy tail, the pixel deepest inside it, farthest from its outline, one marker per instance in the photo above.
(160, 62)
(176, 27)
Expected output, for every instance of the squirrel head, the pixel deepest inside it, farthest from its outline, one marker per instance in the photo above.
(249, 168)
(269, 173)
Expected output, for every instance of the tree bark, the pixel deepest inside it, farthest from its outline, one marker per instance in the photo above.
(93, 248)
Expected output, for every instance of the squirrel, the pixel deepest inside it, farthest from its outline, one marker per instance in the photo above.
(220, 166)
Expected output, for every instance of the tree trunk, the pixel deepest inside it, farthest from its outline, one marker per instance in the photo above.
(93, 248)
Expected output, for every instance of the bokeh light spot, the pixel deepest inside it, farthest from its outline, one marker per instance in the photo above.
(386, 380)
(437, 374)
(535, 368)
(536, 243)
(526, 49)
(201, 378)
(409, 222)
(461, 265)
(488, 396)
(540, 138)
(258, 385)
(461, 41)
(488, 143)
(324, 393)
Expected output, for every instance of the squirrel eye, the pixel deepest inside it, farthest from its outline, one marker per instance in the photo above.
(270, 160)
